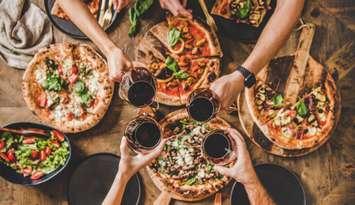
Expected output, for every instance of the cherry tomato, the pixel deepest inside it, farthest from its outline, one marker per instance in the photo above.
(42, 155)
(27, 171)
(4, 157)
(56, 143)
(60, 69)
(74, 69)
(42, 100)
(37, 175)
(2, 144)
(11, 155)
(73, 78)
(29, 140)
(34, 154)
(47, 151)
(58, 135)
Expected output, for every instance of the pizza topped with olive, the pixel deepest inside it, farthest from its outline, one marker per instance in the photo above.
(251, 12)
(67, 86)
(181, 169)
(182, 55)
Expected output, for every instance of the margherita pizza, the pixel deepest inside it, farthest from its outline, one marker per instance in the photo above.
(250, 12)
(182, 55)
(67, 86)
(181, 169)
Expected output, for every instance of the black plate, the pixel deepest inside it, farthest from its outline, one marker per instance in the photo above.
(93, 178)
(283, 186)
(68, 27)
(236, 31)
(11, 175)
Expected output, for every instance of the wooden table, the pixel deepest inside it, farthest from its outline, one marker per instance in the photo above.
(328, 174)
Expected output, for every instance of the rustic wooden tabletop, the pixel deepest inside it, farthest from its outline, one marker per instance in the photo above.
(327, 174)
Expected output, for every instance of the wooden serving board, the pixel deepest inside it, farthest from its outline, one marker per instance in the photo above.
(280, 71)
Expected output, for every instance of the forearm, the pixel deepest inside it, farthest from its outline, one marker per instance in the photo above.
(80, 15)
(257, 194)
(115, 194)
(275, 34)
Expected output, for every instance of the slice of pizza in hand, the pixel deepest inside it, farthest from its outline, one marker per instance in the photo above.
(186, 37)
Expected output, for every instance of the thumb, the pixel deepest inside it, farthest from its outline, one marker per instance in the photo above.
(222, 170)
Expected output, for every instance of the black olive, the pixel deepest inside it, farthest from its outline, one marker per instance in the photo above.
(165, 73)
(212, 77)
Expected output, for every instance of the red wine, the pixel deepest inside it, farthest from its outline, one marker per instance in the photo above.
(141, 93)
(147, 134)
(201, 109)
(216, 145)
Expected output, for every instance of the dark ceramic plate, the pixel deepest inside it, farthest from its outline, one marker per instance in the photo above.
(11, 175)
(68, 27)
(93, 178)
(237, 31)
(283, 186)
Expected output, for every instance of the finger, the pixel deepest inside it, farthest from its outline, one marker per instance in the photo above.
(183, 12)
(116, 77)
(184, 3)
(156, 152)
(121, 5)
(239, 140)
(223, 170)
(115, 4)
(124, 149)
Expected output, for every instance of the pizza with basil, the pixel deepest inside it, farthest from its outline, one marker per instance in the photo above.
(181, 169)
(302, 124)
(67, 86)
(251, 12)
(182, 55)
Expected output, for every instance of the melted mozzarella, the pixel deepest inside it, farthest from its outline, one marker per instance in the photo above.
(40, 75)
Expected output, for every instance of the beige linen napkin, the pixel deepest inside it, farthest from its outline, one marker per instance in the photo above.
(24, 29)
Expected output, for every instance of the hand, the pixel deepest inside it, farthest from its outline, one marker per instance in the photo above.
(118, 5)
(118, 63)
(227, 88)
(129, 164)
(243, 170)
(176, 7)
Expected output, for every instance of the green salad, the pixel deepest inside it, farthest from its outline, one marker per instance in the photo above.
(32, 156)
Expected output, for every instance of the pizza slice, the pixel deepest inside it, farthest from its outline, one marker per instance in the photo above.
(250, 12)
(186, 37)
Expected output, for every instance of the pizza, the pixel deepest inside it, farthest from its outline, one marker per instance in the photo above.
(302, 124)
(181, 169)
(67, 86)
(182, 55)
(251, 12)
(93, 6)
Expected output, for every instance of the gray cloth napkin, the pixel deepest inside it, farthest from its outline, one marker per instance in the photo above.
(24, 29)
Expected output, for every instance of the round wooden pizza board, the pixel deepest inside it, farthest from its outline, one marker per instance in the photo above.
(279, 70)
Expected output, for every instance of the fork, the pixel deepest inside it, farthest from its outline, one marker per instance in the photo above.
(107, 16)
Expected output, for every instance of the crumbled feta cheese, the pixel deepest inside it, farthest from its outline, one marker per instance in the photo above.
(286, 132)
(40, 75)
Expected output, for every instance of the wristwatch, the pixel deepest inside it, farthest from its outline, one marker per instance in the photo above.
(249, 77)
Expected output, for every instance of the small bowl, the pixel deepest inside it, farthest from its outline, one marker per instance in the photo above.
(11, 175)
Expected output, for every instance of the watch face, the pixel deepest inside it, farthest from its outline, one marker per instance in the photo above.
(249, 81)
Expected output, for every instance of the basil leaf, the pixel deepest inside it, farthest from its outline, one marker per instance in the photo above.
(79, 87)
(173, 36)
(53, 82)
(171, 64)
(139, 8)
(85, 98)
(302, 109)
(181, 74)
(241, 9)
(277, 100)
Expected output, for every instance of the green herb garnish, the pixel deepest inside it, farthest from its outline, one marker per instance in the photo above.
(53, 82)
(191, 181)
(277, 100)
(301, 108)
(83, 92)
(173, 36)
(242, 9)
(172, 65)
(138, 9)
